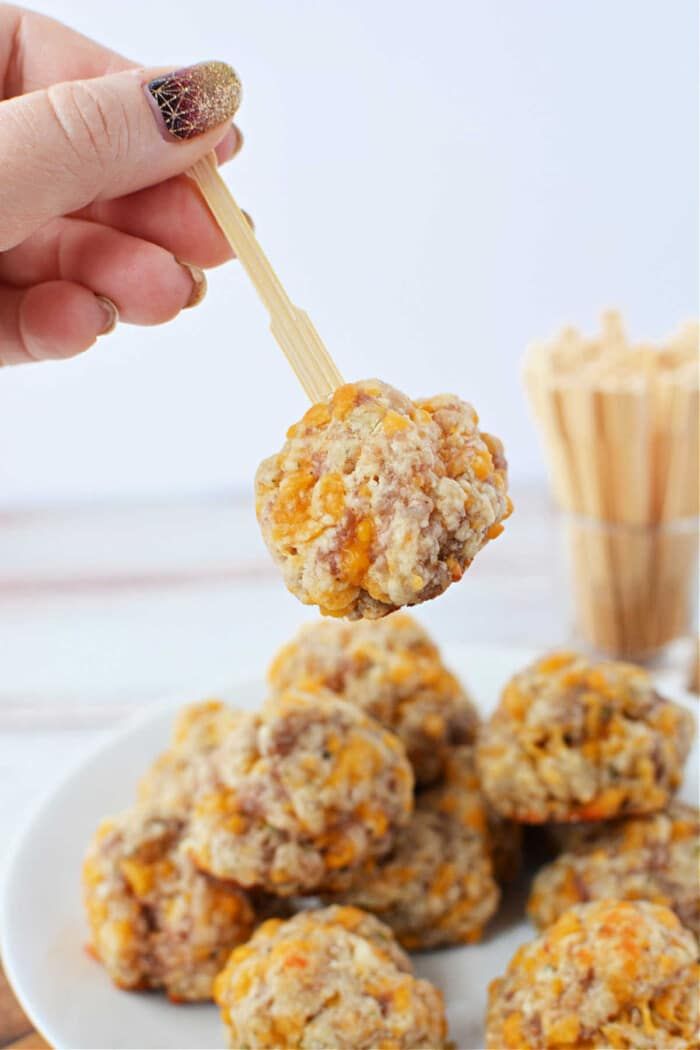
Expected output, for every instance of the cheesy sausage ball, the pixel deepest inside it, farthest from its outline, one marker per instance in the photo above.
(155, 921)
(459, 790)
(436, 887)
(327, 978)
(606, 974)
(392, 669)
(174, 778)
(305, 792)
(654, 858)
(377, 501)
(572, 740)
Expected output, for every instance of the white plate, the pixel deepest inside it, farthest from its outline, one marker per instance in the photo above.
(69, 997)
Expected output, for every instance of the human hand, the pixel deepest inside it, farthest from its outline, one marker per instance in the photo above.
(96, 221)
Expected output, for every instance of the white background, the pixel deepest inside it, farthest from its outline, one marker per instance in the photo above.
(437, 183)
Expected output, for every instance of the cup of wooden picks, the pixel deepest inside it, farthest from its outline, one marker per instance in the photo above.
(619, 425)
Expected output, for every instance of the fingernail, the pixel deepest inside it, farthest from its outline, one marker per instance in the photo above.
(111, 314)
(230, 145)
(190, 101)
(236, 139)
(249, 220)
(199, 284)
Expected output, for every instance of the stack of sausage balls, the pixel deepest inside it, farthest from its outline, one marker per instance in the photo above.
(595, 754)
(282, 862)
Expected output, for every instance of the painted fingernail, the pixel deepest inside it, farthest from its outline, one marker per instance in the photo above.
(190, 101)
(111, 314)
(199, 284)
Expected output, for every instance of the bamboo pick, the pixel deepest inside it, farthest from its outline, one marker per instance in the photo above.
(625, 421)
(290, 326)
(545, 400)
(591, 452)
(678, 503)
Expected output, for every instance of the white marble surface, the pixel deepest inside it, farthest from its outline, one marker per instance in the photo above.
(104, 610)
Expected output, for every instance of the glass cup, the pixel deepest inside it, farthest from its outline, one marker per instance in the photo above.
(635, 586)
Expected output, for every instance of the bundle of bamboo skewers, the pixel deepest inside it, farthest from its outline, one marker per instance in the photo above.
(619, 423)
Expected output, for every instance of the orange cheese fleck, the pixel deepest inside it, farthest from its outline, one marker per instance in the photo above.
(606, 804)
(513, 1035)
(291, 507)
(434, 725)
(569, 923)
(564, 1031)
(482, 464)
(356, 554)
(356, 760)
(444, 878)
(317, 416)
(555, 661)
(514, 701)
(393, 423)
(331, 492)
(141, 877)
(344, 400)
(402, 996)
(458, 464)
(456, 570)
(374, 817)
(340, 851)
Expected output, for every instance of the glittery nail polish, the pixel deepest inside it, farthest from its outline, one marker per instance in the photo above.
(190, 101)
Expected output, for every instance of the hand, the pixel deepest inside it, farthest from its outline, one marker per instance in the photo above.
(96, 221)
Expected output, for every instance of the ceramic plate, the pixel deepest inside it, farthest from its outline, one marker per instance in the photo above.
(69, 997)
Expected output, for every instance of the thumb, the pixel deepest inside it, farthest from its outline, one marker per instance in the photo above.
(83, 140)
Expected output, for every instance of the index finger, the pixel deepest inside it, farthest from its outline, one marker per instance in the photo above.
(172, 214)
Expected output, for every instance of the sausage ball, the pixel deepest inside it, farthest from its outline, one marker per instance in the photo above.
(155, 920)
(327, 978)
(304, 793)
(459, 793)
(392, 669)
(377, 501)
(172, 781)
(436, 887)
(606, 974)
(573, 741)
(654, 858)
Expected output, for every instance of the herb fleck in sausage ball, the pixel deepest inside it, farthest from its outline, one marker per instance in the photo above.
(654, 858)
(327, 979)
(155, 921)
(575, 741)
(377, 501)
(436, 887)
(606, 974)
(305, 792)
(174, 778)
(392, 669)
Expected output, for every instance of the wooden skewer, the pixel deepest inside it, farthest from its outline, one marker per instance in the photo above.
(291, 327)
(623, 415)
(678, 504)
